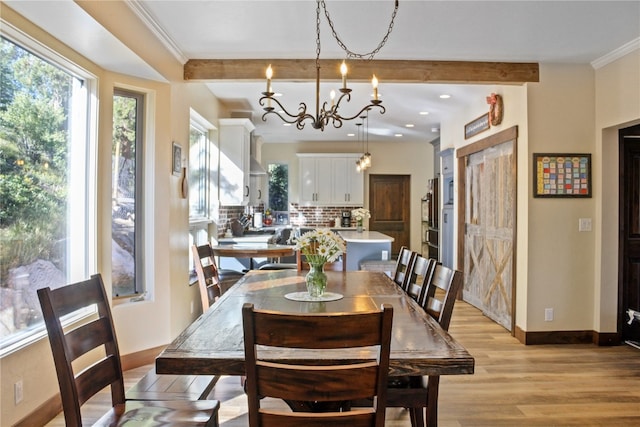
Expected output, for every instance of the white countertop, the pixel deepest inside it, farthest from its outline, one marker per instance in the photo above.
(256, 238)
(365, 237)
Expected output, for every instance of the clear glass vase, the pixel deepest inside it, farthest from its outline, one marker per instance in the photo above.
(316, 280)
(359, 226)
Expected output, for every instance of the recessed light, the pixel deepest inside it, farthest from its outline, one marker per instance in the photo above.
(435, 130)
(424, 113)
(409, 125)
(445, 96)
(286, 124)
(398, 135)
(277, 94)
(351, 134)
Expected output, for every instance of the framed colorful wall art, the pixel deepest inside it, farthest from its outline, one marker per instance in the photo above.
(561, 175)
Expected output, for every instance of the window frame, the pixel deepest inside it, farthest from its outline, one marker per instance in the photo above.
(83, 137)
(140, 288)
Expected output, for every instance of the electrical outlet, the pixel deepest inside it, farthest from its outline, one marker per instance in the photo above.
(584, 224)
(548, 314)
(17, 392)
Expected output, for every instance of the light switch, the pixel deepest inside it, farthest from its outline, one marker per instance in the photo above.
(584, 224)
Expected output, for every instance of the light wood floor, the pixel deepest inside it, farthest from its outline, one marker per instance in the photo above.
(513, 384)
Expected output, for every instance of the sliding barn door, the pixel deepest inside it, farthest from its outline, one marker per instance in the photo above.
(489, 224)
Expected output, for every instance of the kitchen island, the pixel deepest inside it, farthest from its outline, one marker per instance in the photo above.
(367, 245)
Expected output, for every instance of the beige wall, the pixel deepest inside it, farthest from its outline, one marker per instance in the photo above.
(560, 275)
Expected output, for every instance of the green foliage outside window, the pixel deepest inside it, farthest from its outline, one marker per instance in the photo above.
(278, 187)
(34, 107)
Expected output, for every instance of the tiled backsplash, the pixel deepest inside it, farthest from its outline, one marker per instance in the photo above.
(306, 216)
(316, 216)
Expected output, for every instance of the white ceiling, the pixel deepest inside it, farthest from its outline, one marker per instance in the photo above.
(513, 31)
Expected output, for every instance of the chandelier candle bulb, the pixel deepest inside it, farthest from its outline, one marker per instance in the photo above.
(374, 83)
(269, 75)
(343, 71)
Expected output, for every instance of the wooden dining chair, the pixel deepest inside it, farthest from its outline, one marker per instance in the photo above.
(98, 337)
(403, 266)
(211, 280)
(420, 393)
(318, 383)
(339, 265)
(420, 272)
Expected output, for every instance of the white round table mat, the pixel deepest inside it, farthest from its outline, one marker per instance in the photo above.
(305, 297)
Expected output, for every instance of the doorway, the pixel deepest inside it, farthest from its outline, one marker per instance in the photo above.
(487, 220)
(390, 206)
(629, 239)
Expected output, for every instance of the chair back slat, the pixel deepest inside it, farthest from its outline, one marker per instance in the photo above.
(301, 381)
(277, 330)
(96, 377)
(359, 380)
(91, 335)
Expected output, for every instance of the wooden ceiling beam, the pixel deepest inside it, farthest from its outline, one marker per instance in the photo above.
(388, 71)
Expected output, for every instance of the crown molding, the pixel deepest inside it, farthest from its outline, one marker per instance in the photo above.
(623, 50)
(138, 8)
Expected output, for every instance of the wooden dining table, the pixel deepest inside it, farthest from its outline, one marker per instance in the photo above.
(213, 343)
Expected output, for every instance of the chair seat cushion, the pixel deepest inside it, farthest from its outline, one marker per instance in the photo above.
(162, 413)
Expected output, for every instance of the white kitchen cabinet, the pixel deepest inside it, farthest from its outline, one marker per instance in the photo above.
(330, 179)
(348, 183)
(315, 180)
(235, 139)
(257, 190)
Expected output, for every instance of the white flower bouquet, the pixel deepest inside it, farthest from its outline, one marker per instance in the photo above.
(360, 214)
(320, 246)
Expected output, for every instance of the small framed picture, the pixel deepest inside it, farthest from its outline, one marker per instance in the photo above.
(176, 168)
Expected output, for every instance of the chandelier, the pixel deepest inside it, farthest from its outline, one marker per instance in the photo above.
(327, 113)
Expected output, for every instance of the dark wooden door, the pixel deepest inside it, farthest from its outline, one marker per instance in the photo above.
(390, 206)
(629, 275)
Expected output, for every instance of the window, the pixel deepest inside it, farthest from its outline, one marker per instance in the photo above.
(47, 227)
(278, 187)
(127, 267)
(203, 161)
(198, 173)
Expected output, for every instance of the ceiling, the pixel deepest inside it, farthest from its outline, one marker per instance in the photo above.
(571, 32)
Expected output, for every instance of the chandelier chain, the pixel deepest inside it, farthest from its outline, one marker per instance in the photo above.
(318, 34)
(351, 54)
(327, 112)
